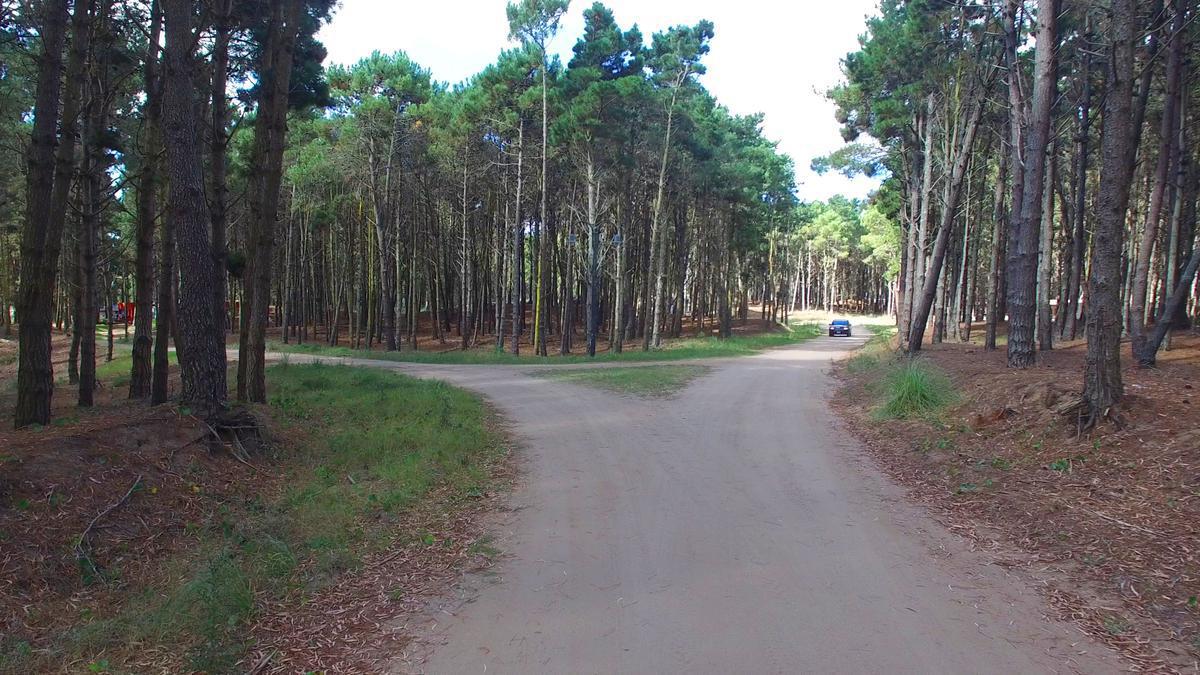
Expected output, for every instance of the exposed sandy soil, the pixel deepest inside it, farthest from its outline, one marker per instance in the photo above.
(1106, 520)
(733, 528)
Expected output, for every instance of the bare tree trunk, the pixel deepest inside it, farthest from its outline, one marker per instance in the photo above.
(1102, 376)
(1079, 238)
(518, 267)
(218, 164)
(658, 239)
(593, 282)
(270, 138)
(921, 241)
(166, 312)
(1149, 350)
(618, 340)
(1141, 272)
(1178, 282)
(1024, 235)
(90, 204)
(147, 214)
(50, 162)
(202, 364)
(543, 272)
(957, 174)
(1045, 322)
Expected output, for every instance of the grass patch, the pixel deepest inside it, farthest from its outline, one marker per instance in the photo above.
(377, 442)
(876, 352)
(674, 350)
(643, 381)
(116, 372)
(903, 387)
(912, 387)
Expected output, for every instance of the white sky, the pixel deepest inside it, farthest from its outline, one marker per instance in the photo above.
(770, 56)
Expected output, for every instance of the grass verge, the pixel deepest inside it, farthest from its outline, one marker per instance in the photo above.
(903, 387)
(912, 387)
(642, 381)
(374, 444)
(674, 350)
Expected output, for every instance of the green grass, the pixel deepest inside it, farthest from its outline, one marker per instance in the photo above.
(674, 350)
(912, 387)
(643, 381)
(116, 372)
(377, 443)
(903, 387)
(876, 352)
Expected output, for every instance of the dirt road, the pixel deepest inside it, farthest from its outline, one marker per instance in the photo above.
(731, 529)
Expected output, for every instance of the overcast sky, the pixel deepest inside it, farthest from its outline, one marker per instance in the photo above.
(770, 56)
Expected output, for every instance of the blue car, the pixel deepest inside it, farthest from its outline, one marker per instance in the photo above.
(839, 327)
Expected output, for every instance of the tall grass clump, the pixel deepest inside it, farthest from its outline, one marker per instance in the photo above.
(912, 387)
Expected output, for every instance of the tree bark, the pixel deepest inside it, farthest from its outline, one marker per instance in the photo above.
(1102, 375)
(1025, 233)
(518, 266)
(1079, 238)
(270, 138)
(593, 282)
(218, 163)
(49, 161)
(658, 240)
(202, 364)
(1045, 322)
(147, 213)
(1141, 272)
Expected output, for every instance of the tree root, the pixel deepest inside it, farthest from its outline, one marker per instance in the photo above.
(1088, 418)
(238, 431)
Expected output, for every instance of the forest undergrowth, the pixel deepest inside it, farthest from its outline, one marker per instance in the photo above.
(144, 546)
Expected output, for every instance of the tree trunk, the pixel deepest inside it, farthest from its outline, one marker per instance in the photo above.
(1079, 238)
(1141, 272)
(1045, 322)
(949, 211)
(147, 213)
(543, 272)
(658, 240)
(202, 364)
(218, 164)
(1102, 376)
(518, 266)
(50, 162)
(593, 282)
(1025, 233)
(270, 138)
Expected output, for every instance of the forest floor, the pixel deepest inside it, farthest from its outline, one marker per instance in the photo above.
(131, 541)
(1105, 520)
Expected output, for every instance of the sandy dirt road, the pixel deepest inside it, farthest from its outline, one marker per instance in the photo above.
(732, 529)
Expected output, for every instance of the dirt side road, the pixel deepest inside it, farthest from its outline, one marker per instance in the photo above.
(732, 529)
